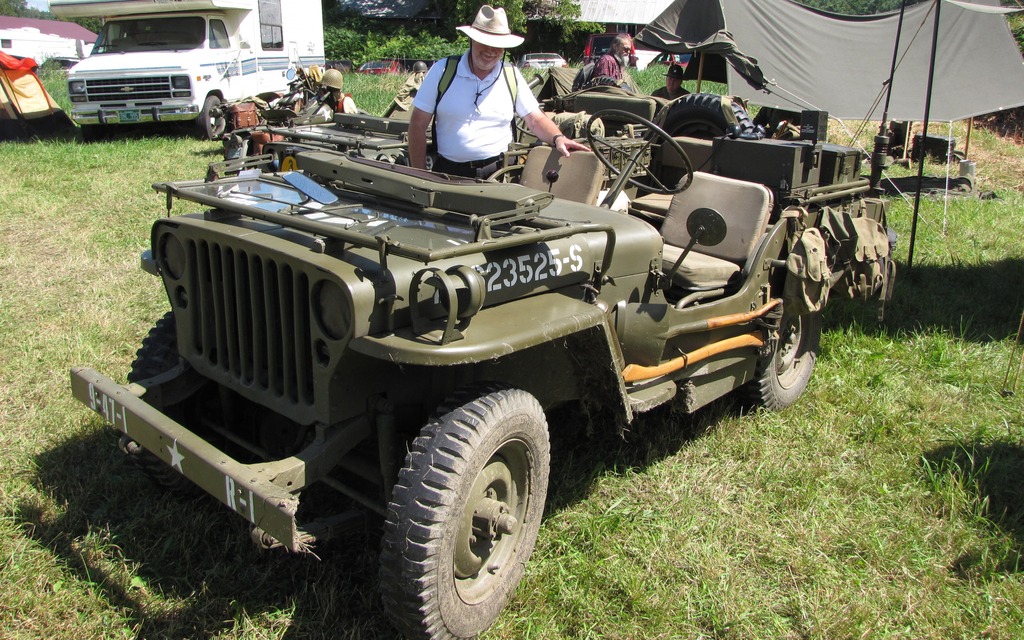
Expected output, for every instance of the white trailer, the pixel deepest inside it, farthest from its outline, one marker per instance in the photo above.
(165, 60)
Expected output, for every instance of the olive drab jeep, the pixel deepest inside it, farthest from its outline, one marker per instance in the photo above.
(401, 336)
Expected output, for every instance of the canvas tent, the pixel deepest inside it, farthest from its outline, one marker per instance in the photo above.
(26, 109)
(785, 55)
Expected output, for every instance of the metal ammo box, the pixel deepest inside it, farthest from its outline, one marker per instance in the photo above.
(777, 164)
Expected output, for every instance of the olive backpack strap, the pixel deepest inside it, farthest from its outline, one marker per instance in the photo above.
(451, 64)
(511, 81)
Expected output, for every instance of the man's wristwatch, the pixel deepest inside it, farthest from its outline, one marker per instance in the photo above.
(555, 139)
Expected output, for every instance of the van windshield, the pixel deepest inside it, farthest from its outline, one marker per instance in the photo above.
(151, 34)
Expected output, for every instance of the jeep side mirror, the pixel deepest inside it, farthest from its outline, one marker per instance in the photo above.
(706, 227)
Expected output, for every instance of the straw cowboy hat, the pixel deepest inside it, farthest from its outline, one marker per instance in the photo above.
(490, 28)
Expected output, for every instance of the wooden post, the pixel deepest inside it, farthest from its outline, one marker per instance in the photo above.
(700, 71)
(967, 143)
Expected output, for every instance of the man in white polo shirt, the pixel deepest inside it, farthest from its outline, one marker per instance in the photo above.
(472, 119)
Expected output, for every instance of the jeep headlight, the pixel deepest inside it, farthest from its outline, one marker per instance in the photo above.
(332, 310)
(171, 256)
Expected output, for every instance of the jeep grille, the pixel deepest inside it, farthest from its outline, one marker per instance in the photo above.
(128, 89)
(250, 321)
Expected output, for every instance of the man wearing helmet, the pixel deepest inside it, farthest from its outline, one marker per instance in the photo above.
(403, 100)
(333, 82)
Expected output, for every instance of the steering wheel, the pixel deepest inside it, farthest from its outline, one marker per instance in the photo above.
(655, 133)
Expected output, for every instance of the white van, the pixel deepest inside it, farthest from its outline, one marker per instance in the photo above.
(180, 59)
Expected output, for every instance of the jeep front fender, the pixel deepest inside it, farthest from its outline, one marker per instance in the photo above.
(493, 332)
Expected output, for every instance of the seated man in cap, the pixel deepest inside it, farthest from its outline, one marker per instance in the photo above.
(473, 104)
(673, 84)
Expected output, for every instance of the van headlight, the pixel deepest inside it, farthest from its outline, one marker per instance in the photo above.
(181, 86)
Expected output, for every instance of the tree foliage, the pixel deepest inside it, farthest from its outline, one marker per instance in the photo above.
(20, 9)
(349, 36)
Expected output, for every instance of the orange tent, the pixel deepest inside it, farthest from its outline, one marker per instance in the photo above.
(26, 109)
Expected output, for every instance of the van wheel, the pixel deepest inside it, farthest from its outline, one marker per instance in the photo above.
(212, 122)
(782, 376)
(464, 515)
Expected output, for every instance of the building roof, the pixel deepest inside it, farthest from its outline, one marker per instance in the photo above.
(394, 9)
(68, 30)
(621, 11)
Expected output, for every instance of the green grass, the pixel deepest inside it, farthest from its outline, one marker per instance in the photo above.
(887, 503)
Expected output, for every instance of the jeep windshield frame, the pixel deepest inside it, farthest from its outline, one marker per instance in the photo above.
(432, 210)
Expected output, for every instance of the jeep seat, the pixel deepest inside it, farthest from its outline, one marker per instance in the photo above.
(745, 206)
(655, 205)
(578, 178)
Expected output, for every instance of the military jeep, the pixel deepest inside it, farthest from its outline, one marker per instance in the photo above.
(402, 336)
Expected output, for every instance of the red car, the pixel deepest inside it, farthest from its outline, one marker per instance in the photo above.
(380, 67)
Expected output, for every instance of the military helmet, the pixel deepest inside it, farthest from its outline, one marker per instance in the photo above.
(333, 79)
(419, 66)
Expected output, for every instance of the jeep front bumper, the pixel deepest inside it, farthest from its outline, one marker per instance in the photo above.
(246, 489)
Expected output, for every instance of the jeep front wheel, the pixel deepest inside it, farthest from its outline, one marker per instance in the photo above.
(464, 515)
(158, 354)
(782, 376)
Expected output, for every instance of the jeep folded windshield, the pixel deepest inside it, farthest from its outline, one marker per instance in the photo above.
(151, 34)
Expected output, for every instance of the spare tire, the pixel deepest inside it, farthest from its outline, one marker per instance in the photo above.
(705, 115)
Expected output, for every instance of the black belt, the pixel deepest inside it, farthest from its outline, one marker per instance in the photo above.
(475, 164)
(470, 169)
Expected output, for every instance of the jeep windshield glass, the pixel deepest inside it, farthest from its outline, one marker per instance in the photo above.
(151, 34)
(369, 221)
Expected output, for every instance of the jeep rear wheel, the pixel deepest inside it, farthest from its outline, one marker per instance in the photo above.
(464, 515)
(783, 375)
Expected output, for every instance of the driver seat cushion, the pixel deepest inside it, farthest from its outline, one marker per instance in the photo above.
(579, 177)
(745, 206)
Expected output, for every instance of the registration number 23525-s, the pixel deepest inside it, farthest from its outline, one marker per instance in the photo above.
(530, 268)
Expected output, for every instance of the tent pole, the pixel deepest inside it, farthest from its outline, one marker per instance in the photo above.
(880, 154)
(700, 71)
(967, 143)
(924, 135)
